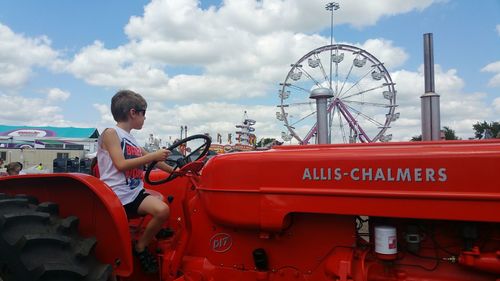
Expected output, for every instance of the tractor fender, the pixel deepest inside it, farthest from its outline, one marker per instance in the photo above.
(99, 210)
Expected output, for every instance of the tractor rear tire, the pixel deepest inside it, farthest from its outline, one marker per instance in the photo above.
(37, 245)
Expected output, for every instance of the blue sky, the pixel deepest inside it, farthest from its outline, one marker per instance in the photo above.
(203, 64)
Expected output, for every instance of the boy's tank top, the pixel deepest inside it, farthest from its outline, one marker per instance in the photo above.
(128, 184)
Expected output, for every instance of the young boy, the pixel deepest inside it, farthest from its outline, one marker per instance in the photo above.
(121, 159)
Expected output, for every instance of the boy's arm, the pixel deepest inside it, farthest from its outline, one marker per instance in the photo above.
(111, 143)
(161, 164)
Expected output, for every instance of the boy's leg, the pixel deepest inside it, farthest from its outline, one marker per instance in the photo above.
(160, 211)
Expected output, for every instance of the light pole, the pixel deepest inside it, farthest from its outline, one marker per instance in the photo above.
(332, 6)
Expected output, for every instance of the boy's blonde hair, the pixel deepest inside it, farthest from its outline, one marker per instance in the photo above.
(123, 101)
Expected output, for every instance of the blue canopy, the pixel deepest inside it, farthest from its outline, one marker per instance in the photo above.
(53, 132)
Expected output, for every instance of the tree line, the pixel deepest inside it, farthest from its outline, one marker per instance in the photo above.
(482, 130)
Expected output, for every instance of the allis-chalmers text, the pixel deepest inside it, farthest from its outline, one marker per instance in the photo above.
(377, 174)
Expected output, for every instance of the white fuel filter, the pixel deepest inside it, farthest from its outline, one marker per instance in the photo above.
(386, 242)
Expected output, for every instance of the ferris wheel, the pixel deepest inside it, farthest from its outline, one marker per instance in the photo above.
(363, 96)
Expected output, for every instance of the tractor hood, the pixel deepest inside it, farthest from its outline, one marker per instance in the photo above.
(453, 180)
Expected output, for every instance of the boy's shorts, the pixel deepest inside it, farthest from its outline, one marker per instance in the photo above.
(132, 207)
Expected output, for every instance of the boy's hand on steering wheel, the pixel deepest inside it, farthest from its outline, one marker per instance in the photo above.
(160, 155)
(189, 165)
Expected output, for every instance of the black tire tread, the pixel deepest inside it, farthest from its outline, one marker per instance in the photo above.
(37, 245)
(48, 207)
(20, 202)
(69, 225)
(85, 247)
(31, 199)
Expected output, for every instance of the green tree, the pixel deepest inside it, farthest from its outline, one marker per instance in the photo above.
(480, 128)
(449, 134)
(416, 138)
(265, 141)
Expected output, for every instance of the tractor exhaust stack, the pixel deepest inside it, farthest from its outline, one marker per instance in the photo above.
(431, 119)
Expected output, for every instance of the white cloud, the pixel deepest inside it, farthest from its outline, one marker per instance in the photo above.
(498, 29)
(105, 113)
(240, 71)
(242, 50)
(239, 51)
(384, 50)
(361, 13)
(243, 40)
(496, 106)
(29, 111)
(115, 68)
(184, 19)
(211, 117)
(493, 67)
(235, 53)
(459, 109)
(19, 54)
(242, 36)
(56, 94)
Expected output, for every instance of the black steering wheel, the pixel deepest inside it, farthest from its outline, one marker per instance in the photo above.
(185, 163)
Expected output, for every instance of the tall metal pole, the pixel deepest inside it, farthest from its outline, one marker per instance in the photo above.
(321, 95)
(429, 63)
(430, 108)
(332, 6)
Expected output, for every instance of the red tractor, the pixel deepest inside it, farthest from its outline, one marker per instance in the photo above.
(383, 211)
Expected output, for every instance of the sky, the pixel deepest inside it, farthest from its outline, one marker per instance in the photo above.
(202, 64)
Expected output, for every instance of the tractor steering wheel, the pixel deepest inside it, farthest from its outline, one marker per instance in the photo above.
(185, 164)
